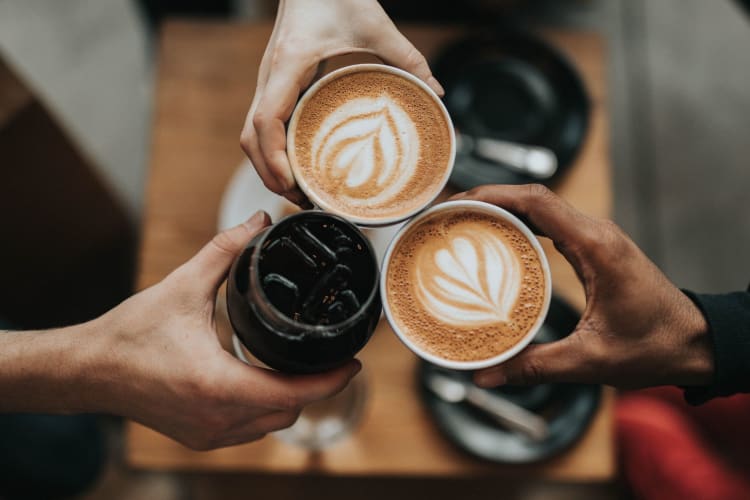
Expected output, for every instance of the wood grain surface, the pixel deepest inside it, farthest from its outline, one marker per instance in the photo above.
(207, 74)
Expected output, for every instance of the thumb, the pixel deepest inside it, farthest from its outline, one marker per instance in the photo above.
(561, 361)
(213, 261)
(396, 50)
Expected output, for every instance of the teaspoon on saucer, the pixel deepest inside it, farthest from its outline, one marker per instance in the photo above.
(506, 412)
(535, 161)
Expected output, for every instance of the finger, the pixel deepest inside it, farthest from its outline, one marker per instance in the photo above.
(297, 197)
(289, 392)
(398, 51)
(249, 144)
(213, 261)
(561, 361)
(273, 111)
(267, 423)
(547, 214)
(258, 427)
(237, 439)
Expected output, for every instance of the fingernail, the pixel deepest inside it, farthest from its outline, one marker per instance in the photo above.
(357, 367)
(488, 380)
(258, 219)
(297, 197)
(432, 82)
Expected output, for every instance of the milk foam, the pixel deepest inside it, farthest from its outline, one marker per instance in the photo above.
(464, 285)
(468, 278)
(371, 144)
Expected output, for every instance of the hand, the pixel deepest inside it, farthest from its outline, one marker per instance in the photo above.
(158, 360)
(305, 34)
(637, 329)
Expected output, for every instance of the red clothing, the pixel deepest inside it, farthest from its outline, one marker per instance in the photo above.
(671, 450)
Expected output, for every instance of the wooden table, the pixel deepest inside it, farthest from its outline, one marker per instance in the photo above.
(207, 74)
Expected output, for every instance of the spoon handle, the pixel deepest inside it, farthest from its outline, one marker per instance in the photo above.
(535, 161)
(508, 413)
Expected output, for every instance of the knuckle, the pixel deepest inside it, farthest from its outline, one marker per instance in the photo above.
(247, 137)
(289, 47)
(260, 118)
(479, 192)
(415, 60)
(203, 387)
(201, 441)
(606, 241)
(539, 193)
(224, 243)
(289, 419)
(532, 372)
(288, 401)
(271, 184)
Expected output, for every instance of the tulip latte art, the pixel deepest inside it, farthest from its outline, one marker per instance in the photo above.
(464, 285)
(371, 145)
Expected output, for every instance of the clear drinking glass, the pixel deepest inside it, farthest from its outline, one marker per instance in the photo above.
(323, 423)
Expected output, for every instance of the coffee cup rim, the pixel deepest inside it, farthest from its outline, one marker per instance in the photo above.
(313, 196)
(480, 363)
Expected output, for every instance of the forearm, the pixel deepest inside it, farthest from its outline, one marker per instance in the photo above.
(48, 371)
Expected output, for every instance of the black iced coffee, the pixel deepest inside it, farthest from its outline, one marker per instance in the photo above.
(303, 296)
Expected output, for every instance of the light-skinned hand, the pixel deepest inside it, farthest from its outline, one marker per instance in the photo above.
(158, 360)
(306, 33)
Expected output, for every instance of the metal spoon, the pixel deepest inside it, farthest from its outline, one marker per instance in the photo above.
(536, 161)
(506, 412)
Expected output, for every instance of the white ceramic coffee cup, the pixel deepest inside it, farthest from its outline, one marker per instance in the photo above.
(313, 196)
(495, 212)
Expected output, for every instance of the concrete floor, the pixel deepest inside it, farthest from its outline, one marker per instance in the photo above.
(679, 96)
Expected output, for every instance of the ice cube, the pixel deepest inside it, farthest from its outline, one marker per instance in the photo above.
(349, 298)
(282, 293)
(324, 291)
(297, 251)
(312, 243)
(336, 313)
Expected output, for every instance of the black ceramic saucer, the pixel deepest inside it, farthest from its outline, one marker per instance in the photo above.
(515, 87)
(568, 408)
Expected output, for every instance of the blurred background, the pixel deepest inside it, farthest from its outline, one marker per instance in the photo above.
(679, 121)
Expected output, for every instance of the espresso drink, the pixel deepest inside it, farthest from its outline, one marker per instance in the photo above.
(371, 145)
(303, 296)
(465, 285)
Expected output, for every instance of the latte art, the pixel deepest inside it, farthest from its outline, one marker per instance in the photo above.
(371, 143)
(464, 285)
(368, 146)
(475, 280)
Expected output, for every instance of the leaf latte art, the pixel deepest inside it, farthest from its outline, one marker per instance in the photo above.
(370, 145)
(368, 148)
(463, 284)
(472, 279)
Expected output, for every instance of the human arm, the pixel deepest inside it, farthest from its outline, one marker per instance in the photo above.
(306, 33)
(637, 329)
(156, 359)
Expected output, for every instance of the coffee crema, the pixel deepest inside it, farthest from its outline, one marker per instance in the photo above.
(465, 285)
(372, 145)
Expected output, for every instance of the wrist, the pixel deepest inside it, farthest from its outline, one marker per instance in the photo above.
(46, 371)
(99, 371)
(697, 362)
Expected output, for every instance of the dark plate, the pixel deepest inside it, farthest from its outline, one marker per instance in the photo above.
(515, 87)
(568, 408)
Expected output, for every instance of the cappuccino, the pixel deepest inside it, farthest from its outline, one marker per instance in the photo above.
(464, 284)
(371, 143)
